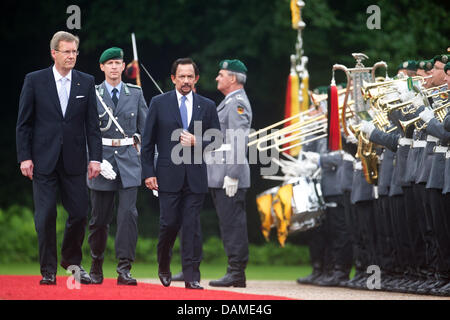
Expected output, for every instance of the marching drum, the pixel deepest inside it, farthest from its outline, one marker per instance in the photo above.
(308, 205)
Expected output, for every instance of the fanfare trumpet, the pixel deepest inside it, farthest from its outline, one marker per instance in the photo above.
(439, 111)
(390, 107)
(367, 86)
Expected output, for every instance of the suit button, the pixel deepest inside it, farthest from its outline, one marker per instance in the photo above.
(117, 129)
(115, 152)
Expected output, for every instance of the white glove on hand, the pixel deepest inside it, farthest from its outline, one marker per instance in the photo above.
(300, 169)
(426, 115)
(107, 170)
(230, 185)
(367, 127)
(313, 157)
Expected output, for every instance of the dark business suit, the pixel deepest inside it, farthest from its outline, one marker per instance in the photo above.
(182, 187)
(57, 146)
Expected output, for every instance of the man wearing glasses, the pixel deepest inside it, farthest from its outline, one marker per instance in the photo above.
(57, 118)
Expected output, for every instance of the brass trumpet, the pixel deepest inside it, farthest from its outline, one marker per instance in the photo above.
(366, 86)
(439, 111)
(391, 107)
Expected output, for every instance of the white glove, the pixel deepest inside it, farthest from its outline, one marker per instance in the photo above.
(107, 170)
(300, 169)
(351, 138)
(230, 185)
(313, 157)
(367, 127)
(426, 115)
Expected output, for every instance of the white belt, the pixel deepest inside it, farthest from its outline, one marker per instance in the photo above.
(419, 144)
(348, 157)
(432, 139)
(440, 149)
(358, 165)
(117, 142)
(405, 142)
(447, 155)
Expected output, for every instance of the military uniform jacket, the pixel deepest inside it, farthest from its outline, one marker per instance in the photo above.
(436, 178)
(130, 113)
(330, 162)
(235, 117)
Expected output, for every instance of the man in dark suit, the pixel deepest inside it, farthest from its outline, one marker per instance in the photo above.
(176, 125)
(57, 117)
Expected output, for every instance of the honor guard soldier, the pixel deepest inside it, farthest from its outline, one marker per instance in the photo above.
(229, 178)
(122, 111)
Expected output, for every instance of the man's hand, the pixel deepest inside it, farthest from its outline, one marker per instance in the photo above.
(27, 168)
(187, 139)
(93, 169)
(151, 183)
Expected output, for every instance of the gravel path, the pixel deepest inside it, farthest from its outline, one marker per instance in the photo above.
(293, 290)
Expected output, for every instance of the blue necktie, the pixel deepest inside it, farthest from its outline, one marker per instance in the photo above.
(63, 97)
(114, 96)
(183, 111)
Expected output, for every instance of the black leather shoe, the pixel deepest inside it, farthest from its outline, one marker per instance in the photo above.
(193, 285)
(126, 279)
(84, 276)
(334, 279)
(48, 279)
(96, 272)
(311, 278)
(230, 280)
(178, 277)
(165, 277)
(96, 278)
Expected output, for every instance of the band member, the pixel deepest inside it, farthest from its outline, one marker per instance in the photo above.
(57, 118)
(129, 110)
(180, 174)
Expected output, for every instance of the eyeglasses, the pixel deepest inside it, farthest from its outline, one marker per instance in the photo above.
(68, 52)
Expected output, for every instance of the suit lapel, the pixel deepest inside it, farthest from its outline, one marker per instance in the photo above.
(74, 87)
(53, 91)
(196, 108)
(174, 108)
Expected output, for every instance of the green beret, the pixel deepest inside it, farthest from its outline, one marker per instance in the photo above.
(403, 65)
(444, 58)
(426, 65)
(111, 53)
(412, 65)
(233, 65)
(447, 67)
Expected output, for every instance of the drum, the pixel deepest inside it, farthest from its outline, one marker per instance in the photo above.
(308, 205)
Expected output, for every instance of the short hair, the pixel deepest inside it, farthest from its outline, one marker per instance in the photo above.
(241, 78)
(179, 61)
(63, 36)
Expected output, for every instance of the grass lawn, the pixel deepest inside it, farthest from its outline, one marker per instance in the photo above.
(145, 270)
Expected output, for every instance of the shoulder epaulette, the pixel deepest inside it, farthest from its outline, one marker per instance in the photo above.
(133, 86)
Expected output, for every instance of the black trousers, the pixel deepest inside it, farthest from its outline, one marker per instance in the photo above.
(181, 209)
(364, 212)
(233, 227)
(388, 255)
(427, 230)
(74, 197)
(339, 236)
(103, 208)
(414, 218)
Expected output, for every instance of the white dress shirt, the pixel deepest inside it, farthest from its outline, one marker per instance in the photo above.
(58, 78)
(188, 102)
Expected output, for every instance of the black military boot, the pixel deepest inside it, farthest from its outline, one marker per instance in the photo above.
(338, 276)
(235, 277)
(96, 272)
(316, 273)
(123, 269)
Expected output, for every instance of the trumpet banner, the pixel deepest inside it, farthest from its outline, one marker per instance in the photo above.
(282, 206)
(334, 131)
(292, 107)
(264, 206)
(132, 71)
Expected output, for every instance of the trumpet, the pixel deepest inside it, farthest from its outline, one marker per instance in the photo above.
(439, 111)
(391, 107)
(366, 86)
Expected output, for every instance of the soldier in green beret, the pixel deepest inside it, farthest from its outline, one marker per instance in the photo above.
(229, 178)
(438, 70)
(120, 127)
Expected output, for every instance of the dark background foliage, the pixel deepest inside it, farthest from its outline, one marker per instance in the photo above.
(257, 32)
